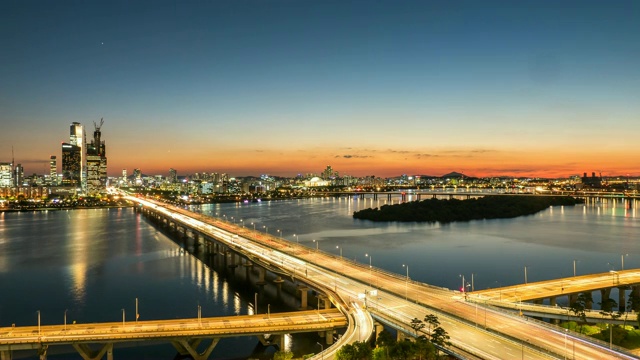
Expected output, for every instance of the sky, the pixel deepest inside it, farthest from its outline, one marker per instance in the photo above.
(487, 88)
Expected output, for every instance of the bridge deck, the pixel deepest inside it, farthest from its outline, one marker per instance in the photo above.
(560, 287)
(30, 337)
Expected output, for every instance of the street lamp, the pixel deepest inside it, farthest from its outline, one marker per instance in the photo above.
(574, 267)
(462, 287)
(317, 242)
(339, 247)
(622, 260)
(321, 350)
(279, 232)
(137, 314)
(254, 226)
(406, 283)
(266, 229)
(298, 241)
(525, 274)
(370, 276)
(241, 223)
(122, 318)
(38, 322)
(65, 319)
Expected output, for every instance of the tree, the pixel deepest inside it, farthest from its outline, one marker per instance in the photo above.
(580, 305)
(356, 351)
(417, 325)
(440, 337)
(385, 339)
(283, 355)
(432, 321)
(606, 308)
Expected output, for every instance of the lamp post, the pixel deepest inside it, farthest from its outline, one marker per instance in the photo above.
(122, 318)
(254, 226)
(370, 276)
(137, 314)
(280, 232)
(321, 350)
(268, 311)
(462, 287)
(297, 240)
(241, 223)
(65, 319)
(574, 267)
(406, 283)
(340, 248)
(317, 242)
(266, 229)
(38, 322)
(255, 303)
(525, 274)
(622, 260)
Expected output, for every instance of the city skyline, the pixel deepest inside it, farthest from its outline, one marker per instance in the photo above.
(499, 88)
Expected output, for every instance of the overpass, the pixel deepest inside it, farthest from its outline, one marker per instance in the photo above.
(185, 334)
(498, 336)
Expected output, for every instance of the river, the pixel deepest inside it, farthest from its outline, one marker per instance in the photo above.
(92, 264)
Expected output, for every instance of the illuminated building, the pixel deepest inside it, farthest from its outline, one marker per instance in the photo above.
(96, 163)
(76, 138)
(6, 178)
(53, 170)
(71, 165)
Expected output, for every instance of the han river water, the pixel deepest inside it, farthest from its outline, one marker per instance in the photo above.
(92, 264)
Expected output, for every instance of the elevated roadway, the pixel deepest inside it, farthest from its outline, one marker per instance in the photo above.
(474, 329)
(181, 332)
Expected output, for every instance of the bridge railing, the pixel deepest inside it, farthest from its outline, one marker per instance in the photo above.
(558, 329)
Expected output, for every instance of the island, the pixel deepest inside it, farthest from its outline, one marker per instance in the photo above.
(445, 211)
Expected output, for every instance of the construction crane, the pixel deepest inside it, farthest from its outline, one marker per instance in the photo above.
(96, 126)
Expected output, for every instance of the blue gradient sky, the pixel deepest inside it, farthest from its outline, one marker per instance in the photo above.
(546, 88)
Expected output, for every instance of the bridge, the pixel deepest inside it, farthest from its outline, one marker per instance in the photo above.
(185, 334)
(477, 331)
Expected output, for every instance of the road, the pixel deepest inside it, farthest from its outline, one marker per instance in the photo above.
(495, 335)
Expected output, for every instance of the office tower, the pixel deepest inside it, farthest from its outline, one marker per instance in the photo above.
(53, 170)
(18, 175)
(96, 162)
(6, 176)
(173, 176)
(71, 165)
(76, 138)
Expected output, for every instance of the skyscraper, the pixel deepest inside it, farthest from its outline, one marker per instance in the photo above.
(78, 167)
(53, 170)
(96, 162)
(71, 165)
(6, 176)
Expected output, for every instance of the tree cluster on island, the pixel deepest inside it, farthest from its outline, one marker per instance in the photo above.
(444, 211)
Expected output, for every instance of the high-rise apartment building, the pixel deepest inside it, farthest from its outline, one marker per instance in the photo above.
(173, 176)
(6, 174)
(18, 175)
(53, 170)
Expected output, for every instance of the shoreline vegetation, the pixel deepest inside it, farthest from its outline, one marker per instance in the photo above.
(451, 210)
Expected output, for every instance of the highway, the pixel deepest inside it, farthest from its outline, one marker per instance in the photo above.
(561, 287)
(30, 337)
(474, 329)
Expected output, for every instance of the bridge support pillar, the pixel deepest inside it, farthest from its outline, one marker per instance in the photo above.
(379, 327)
(261, 274)
(278, 281)
(42, 352)
(400, 336)
(233, 264)
(621, 298)
(6, 355)
(328, 337)
(304, 293)
(389, 197)
(375, 196)
(190, 347)
(326, 303)
(247, 268)
(605, 293)
(552, 301)
(277, 340)
(88, 354)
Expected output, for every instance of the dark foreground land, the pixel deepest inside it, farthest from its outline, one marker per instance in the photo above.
(487, 207)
